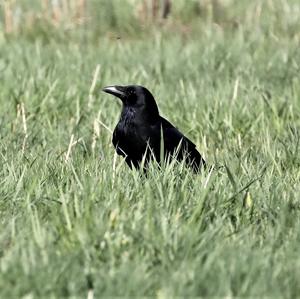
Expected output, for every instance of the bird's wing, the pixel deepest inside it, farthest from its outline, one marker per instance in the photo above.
(176, 142)
(172, 136)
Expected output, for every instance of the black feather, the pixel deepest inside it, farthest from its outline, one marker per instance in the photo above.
(140, 129)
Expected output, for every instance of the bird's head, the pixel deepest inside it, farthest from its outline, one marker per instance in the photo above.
(135, 96)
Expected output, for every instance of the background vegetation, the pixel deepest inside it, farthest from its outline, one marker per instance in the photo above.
(76, 222)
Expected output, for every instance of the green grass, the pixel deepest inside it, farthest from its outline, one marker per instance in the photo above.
(87, 222)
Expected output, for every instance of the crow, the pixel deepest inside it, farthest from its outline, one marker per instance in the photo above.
(142, 134)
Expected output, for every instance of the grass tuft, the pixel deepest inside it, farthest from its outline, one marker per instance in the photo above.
(76, 222)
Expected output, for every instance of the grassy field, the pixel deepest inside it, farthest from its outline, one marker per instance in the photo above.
(76, 222)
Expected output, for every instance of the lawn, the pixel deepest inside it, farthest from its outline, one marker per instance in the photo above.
(76, 222)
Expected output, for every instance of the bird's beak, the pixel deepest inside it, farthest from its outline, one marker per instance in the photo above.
(117, 91)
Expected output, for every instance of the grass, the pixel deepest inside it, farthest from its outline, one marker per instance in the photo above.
(75, 221)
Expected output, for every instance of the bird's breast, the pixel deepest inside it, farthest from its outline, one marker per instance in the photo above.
(133, 135)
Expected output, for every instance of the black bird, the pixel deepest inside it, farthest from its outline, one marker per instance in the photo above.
(138, 133)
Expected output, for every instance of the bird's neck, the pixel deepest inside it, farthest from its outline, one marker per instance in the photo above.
(132, 115)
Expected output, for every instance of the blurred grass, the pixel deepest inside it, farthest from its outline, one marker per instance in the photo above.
(64, 19)
(73, 221)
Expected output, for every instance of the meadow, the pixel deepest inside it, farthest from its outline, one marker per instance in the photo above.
(76, 222)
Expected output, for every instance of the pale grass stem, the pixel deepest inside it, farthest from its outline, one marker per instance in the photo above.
(110, 131)
(104, 126)
(115, 154)
(90, 294)
(93, 85)
(56, 13)
(66, 213)
(71, 144)
(69, 148)
(76, 177)
(96, 134)
(114, 169)
(8, 16)
(235, 90)
(209, 175)
(80, 10)
(24, 122)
